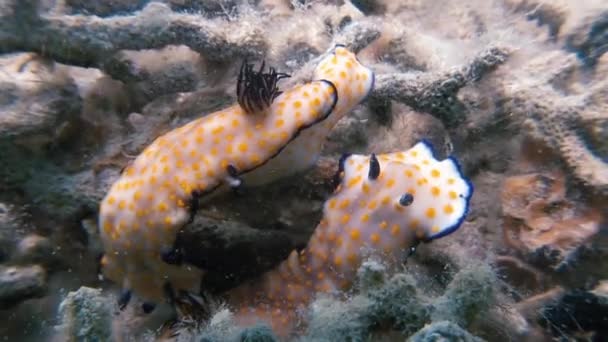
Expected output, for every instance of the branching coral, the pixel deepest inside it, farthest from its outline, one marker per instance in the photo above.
(435, 93)
(91, 41)
(561, 121)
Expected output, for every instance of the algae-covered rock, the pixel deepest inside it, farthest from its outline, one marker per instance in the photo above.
(468, 295)
(86, 315)
(443, 331)
(21, 283)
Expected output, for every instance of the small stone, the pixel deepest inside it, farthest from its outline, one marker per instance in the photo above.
(21, 283)
(86, 315)
(34, 249)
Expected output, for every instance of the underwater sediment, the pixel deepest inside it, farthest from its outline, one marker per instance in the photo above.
(515, 91)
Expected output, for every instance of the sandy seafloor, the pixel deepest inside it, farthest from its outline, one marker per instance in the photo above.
(516, 90)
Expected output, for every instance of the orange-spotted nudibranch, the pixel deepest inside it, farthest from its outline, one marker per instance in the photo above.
(158, 192)
(383, 207)
(353, 82)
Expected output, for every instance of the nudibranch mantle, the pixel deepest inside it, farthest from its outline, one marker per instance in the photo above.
(353, 82)
(383, 206)
(156, 194)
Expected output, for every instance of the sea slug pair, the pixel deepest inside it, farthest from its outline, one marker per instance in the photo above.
(266, 135)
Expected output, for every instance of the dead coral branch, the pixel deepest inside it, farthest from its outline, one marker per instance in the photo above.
(90, 40)
(435, 93)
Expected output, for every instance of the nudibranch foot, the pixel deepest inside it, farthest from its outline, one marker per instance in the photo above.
(233, 180)
(256, 90)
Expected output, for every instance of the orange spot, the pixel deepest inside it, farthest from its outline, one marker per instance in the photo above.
(365, 218)
(414, 153)
(343, 74)
(162, 206)
(435, 229)
(414, 224)
(365, 188)
(451, 181)
(435, 191)
(390, 183)
(122, 205)
(243, 147)
(383, 225)
(297, 104)
(107, 227)
(453, 195)
(448, 209)
(337, 261)
(375, 238)
(354, 181)
(395, 230)
(430, 212)
(435, 173)
(217, 130)
(345, 218)
(345, 203)
(136, 195)
(409, 173)
(332, 204)
(355, 234)
(372, 205)
(279, 123)
(111, 200)
(168, 220)
(386, 200)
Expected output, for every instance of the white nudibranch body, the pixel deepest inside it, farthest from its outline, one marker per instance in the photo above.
(383, 206)
(157, 193)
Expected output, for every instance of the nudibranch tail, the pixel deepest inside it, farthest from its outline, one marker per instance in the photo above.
(353, 81)
(384, 206)
(255, 91)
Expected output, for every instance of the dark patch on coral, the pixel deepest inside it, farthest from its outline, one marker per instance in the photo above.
(576, 313)
(231, 252)
(590, 42)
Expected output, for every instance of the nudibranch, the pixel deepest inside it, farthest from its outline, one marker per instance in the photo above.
(158, 192)
(353, 82)
(384, 206)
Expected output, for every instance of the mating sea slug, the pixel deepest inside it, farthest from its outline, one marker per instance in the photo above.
(353, 82)
(383, 206)
(159, 192)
